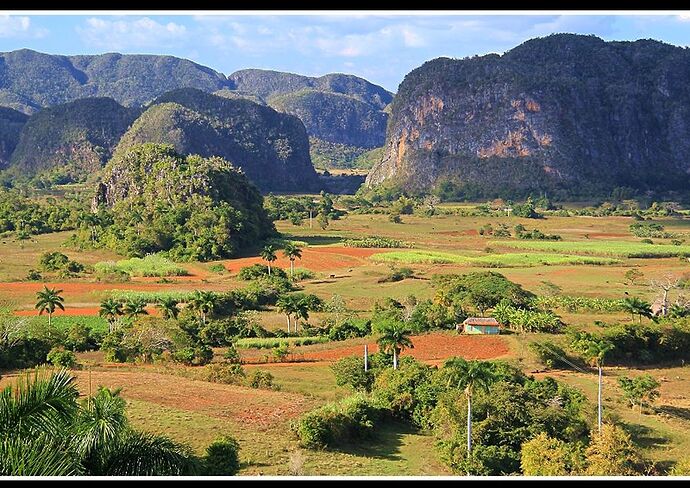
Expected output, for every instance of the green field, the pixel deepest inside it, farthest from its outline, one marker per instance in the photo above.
(270, 342)
(622, 249)
(152, 265)
(509, 260)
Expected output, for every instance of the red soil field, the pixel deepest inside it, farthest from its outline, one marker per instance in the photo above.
(313, 258)
(431, 348)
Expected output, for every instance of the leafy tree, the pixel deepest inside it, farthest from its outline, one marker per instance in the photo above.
(545, 456)
(640, 389)
(611, 453)
(350, 372)
(48, 300)
(633, 274)
(292, 252)
(111, 309)
(268, 254)
(168, 307)
(394, 338)
(322, 219)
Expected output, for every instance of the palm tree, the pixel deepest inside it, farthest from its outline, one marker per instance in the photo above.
(268, 254)
(594, 351)
(45, 431)
(135, 307)
(292, 252)
(287, 305)
(111, 309)
(471, 375)
(47, 300)
(203, 302)
(394, 338)
(168, 307)
(636, 306)
(301, 310)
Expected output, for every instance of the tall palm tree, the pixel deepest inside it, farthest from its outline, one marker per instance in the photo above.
(45, 431)
(395, 338)
(48, 300)
(203, 302)
(268, 254)
(168, 307)
(287, 305)
(301, 310)
(135, 307)
(636, 306)
(594, 351)
(111, 310)
(470, 375)
(292, 252)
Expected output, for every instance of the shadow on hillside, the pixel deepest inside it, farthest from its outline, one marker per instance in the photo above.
(384, 445)
(681, 412)
(645, 437)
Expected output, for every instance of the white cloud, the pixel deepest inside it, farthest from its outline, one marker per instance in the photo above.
(684, 17)
(125, 34)
(19, 26)
(412, 38)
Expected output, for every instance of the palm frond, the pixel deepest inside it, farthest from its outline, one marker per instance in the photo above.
(37, 456)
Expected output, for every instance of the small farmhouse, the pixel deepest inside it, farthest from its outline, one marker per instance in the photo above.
(480, 325)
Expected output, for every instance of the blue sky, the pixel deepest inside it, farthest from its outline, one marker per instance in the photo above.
(380, 48)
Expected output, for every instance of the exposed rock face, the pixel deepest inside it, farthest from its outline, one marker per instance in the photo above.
(566, 114)
(270, 147)
(79, 136)
(30, 80)
(11, 123)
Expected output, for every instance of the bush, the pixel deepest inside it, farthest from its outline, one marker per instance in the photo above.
(336, 423)
(33, 275)
(232, 356)
(262, 379)
(549, 354)
(53, 261)
(228, 374)
(302, 274)
(61, 357)
(217, 268)
(193, 355)
(257, 271)
(80, 338)
(350, 372)
(349, 328)
(222, 457)
(397, 275)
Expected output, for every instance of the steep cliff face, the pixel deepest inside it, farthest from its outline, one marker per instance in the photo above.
(11, 123)
(30, 80)
(270, 147)
(78, 137)
(566, 114)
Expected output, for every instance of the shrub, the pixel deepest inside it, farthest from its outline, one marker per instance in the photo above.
(262, 379)
(53, 261)
(232, 356)
(193, 355)
(350, 372)
(349, 328)
(228, 374)
(302, 274)
(222, 457)
(397, 275)
(80, 338)
(336, 423)
(217, 268)
(33, 275)
(61, 357)
(257, 271)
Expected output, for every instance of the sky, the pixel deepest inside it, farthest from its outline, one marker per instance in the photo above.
(381, 48)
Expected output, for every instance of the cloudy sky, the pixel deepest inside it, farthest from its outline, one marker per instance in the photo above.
(380, 48)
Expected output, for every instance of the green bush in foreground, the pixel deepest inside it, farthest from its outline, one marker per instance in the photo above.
(222, 457)
(352, 418)
(61, 357)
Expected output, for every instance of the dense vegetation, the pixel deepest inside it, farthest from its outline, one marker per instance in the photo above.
(203, 209)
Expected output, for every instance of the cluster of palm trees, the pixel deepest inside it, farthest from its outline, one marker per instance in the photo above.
(46, 431)
(291, 251)
(201, 302)
(297, 306)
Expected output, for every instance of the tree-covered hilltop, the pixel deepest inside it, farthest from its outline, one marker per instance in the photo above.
(151, 199)
(271, 148)
(570, 115)
(75, 139)
(30, 80)
(11, 123)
